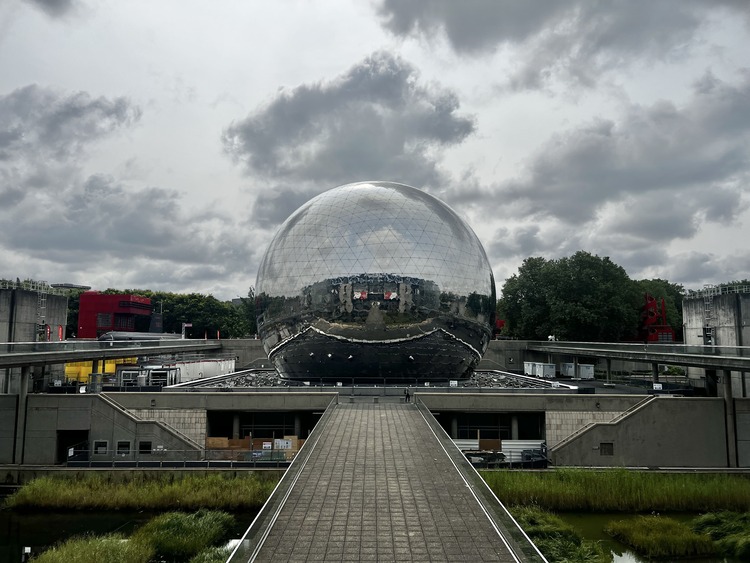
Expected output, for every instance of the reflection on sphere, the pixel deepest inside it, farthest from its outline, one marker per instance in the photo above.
(374, 282)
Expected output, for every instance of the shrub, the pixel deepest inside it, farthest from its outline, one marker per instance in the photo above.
(660, 537)
(730, 531)
(111, 548)
(179, 536)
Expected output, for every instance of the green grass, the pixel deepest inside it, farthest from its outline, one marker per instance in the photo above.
(212, 555)
(660, 537)
(94, 492)
(112, 549)
(558, 541)
(730, 531)
(177, 536)
(620, 490)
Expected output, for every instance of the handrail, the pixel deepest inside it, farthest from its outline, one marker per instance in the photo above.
(164, 426)
(511, 533)
(616, 420)
(249, 546)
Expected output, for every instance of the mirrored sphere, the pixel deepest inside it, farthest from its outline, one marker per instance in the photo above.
(375, 282)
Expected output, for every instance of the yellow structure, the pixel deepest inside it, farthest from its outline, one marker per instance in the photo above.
(81, 371)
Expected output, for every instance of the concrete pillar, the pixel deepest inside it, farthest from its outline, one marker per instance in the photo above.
(609, 370)
(236, 426)
(576, 374)
(514, 427)
(21, 414)
(711, 383)
(730, 418)
(297, 425)
(95, 366)
(655, 372)
(454, 426)
(744, 384)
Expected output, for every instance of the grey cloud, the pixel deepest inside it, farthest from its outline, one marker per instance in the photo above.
(34, 119)
(376, 121)
(687, 153)
(53, 8)
(577, 41)
(273, 206)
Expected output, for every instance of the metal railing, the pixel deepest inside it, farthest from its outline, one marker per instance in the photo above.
(251, 542)
(170, 458)
(519, 544)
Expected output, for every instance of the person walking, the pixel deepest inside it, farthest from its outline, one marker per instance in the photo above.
(407, 397)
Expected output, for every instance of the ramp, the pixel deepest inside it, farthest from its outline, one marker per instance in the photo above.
(380, 483)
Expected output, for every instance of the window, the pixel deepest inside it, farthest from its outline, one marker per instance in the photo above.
(101, 447)
(606, 448)
(144, 447)
(123, 448)
(103, 320)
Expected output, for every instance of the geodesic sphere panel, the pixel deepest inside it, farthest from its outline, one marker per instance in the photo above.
(375, 281)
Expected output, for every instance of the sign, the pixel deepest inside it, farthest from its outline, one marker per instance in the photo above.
(453, 383)
(267, 445)
(657, 386)
(59, 332)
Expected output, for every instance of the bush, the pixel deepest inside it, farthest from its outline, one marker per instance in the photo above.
(730, 531)
(179, 536)
(94, 492)
(112, 548)
(557, 540)
(212, 555)
(660, 537)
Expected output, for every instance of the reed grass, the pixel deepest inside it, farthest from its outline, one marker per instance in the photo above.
(94, 492)
(730, 531)
(660, 537)
(111, 548)
(212, 555)
(177, 536)
(620, 490)
(558, 541)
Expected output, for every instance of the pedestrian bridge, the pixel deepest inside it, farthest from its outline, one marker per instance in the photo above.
(382, 482)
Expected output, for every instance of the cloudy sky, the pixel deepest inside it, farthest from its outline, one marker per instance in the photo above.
(159, 144)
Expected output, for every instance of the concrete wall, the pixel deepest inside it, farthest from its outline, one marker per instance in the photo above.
(260, 401)
(189, 422)
(47, 414)
(7, 427)
(666, 432)
(742, 412)
(248, 352)
(18, 323)
(19, 314)
(561, 424)
(731, 324)
(565, 414)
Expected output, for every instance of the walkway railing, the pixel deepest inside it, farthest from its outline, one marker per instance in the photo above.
(249, 546)
(520, 545)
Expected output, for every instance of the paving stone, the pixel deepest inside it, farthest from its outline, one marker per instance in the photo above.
(379, 487)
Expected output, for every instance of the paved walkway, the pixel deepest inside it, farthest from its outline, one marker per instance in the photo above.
(379, 487)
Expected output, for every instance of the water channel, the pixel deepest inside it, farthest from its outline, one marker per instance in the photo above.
(591, 527)
(42, 530)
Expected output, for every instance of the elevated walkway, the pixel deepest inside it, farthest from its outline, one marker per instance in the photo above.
(382, 481)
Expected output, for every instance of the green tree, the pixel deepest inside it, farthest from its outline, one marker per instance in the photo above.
(583, 297)
(524, 304)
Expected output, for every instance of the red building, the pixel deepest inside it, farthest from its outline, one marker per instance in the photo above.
(99, 313)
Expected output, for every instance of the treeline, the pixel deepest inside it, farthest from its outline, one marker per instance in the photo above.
(583, 297)
(208, 315)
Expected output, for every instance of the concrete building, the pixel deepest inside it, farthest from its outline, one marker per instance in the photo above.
(718, 317)
(31, 312)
